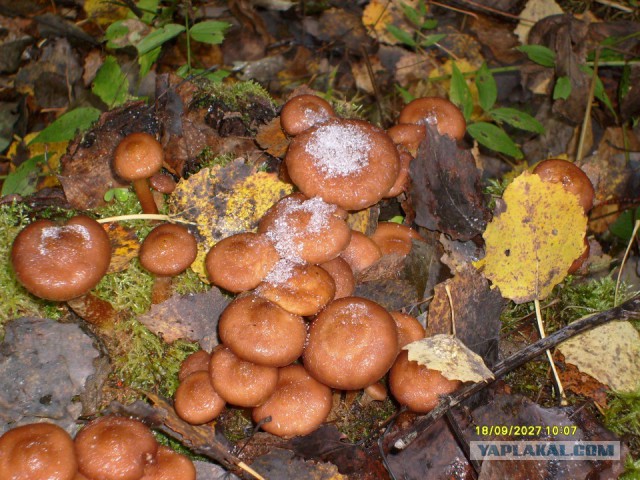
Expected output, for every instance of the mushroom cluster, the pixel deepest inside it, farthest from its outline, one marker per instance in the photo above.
(107, 448)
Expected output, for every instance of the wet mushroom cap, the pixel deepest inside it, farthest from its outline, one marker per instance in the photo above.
(299, 289)
(239, 382)
(37, 451)
(306, 229)
(440, 112)
(162, 182)
(170, 465)
(395, 238)
(352, 343)
(115, 448)
(342, 276)
(61, 262)
(349, 163)
(416, 386)
(259, 331)
(240, 262)
(139, 155)
(197, 361)
(168, 250)
(409, 135)
(303, 112)
(298, 406)
(196, 401)
(402, 181)
(571, 177)
(409, 328)
(361, 253)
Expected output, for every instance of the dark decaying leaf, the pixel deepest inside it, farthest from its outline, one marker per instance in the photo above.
(44, 366)
(191, 317)
(445, 189)
(285, 465)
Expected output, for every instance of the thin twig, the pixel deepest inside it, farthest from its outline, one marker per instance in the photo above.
(624, 260)
(586, 123)
(554, 371)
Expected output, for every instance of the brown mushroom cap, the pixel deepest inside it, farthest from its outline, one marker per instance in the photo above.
(162, 182)
(61, 262)
(361, 253)
(170, 465)
(394, 238)
(342, 276)
(349, 163)
(239, 382)
(168, 250)
(298, 406)
(409, 135)
(437, 111)
(240, 262)
(571, 177)
(352, 343)
(115, 448)
(197, 361)
(416, 386)
(376, 391)
(409, 328)
(306, 229)
(38, 451)
(402, 181)
(196, 401)
(577, 263)
(299, 289)
(303, 112)
(259, 331)
(139, 155)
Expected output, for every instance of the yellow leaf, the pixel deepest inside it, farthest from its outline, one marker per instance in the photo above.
(531, 245)
(223, 201)
(380, 13)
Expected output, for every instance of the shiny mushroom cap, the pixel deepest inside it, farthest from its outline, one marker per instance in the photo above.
(303, 112)
(440, 112)
(138, 156)
(394, 238)
(61, 262)
(571, 177)
(342, 276)
(409, 328)
(197, 361)
(196, 401)
(38, 451)
(349, 163)
(409, 135)
(361, 253)
(170, 465)
(168, 250)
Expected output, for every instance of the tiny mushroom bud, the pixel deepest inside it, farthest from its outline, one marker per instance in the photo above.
(137, 157)
(440, 112)
(240, 262)
(37, 451)
(196, 401)
(170, 465)
(298, 406)
(352, 343)
(416, 386)
(303, 112)
(349, 163)
(115, 448)
(61, 262)
(376, 391)
(195, 362)
(395, 238)
(261, 332)
(162, 182)
(361, 253)
(239, 382)
(342, 275)
(571, 177)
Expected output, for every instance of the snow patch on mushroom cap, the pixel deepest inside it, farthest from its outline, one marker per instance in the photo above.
(339, 149)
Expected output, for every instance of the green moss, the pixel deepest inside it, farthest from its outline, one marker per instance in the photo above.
(176, 446)
(237, 96)
(188, 282)
(129, 290)
(578, 299)
(144, 361)
(128, 206)
(622, 416)
(15, 301)
(236, 424)
(360, 422)
(631, 469)
(209, 158)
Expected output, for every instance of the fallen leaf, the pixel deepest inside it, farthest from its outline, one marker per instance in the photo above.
(272, 139)
(574, 380)
(449, 356)
(531, 245)
(284, 465)
(609, 353)
(125, 246)
(533, 11)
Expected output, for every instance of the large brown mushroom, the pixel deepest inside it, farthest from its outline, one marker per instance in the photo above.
(38, 451)
(61, 262)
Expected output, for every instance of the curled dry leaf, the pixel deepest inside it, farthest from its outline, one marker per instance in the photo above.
(450, 357)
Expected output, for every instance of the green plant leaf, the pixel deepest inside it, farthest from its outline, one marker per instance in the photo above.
(406, 95)
(211, 32)
(111, 84)
(412, 14)
(18, 181)
(216, 76)
(402, 36)
(625, 83)
(429, 24)
(599, 91)
(539, 54)
(517, 118)
(562, 88)
(115, 31)
(432, 39)
(623, 226)
(495, 138)
(156, 38)
(487, 88)
(65, 127)
(147, 60)
(459, 92)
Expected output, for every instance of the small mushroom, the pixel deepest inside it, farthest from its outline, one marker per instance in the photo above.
(571, 177)
(61, 262)
(239, 382)
(259, 331)
(352, 343)
(197, 361)
(170, 465)
(303, 112)
(196, 401)
(440, 112)
(342, 276)
(115, 448)
(162, 182)
(394, 238)
(37, 451)
(137, 157)
(298, 406)
(409, 135)
(361, 253)
(409, 328)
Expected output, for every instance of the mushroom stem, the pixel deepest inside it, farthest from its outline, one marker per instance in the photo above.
(141, 187)
(161, 289)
